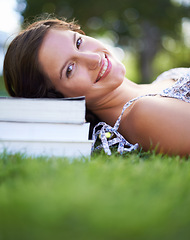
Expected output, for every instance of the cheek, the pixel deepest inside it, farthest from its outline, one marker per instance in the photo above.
(76, 89)
(80, 89)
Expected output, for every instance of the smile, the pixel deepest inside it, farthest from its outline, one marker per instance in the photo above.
(105, 69)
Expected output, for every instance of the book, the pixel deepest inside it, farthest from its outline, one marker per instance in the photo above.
(43, 131)
(71, 149)
(44, 127)
(58, 110)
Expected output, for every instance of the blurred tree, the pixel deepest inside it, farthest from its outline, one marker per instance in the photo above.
(140, 25)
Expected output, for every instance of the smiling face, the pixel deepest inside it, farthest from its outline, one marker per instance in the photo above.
(78, 65)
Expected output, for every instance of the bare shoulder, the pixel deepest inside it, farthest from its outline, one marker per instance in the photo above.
(161, 121)
(155, 106)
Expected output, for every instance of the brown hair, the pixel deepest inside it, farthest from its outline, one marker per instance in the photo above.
(21, 71)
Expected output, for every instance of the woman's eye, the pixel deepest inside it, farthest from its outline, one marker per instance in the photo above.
(69, 70)
(78, 43)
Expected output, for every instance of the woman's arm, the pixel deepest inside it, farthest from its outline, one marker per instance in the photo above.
(161, 123)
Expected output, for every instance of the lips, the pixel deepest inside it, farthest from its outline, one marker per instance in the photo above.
(105, 69)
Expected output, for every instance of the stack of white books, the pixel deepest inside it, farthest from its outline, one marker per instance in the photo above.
(50, 127)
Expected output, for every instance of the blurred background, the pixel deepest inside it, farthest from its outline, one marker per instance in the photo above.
(149, 36)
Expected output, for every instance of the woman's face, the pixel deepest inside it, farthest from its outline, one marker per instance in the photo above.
(78, 65)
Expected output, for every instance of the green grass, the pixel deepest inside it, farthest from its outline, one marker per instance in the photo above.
(3, 91)
(136, 196)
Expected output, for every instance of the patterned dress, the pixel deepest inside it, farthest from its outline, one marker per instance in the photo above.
(179, 90)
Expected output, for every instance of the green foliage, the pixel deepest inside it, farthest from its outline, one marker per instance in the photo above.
(136, 196)
(139, 25)
(120, 16)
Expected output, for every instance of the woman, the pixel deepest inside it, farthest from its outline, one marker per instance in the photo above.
(53, 58)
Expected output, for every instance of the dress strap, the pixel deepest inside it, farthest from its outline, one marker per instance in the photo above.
(115, 138)
(100, 130)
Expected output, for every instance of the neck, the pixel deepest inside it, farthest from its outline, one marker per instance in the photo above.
(109, 108)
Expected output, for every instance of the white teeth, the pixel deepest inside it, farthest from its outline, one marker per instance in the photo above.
(104, 68)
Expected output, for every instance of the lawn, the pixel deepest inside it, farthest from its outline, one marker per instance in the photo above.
(134, 196)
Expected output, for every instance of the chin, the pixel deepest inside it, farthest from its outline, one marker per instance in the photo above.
(120, 73)
(123, 69)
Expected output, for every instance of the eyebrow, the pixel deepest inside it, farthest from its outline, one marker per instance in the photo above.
(64, 65)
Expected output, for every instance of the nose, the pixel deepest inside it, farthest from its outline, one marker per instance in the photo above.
(91, 60)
